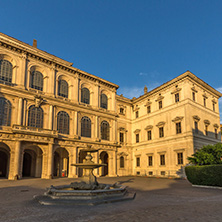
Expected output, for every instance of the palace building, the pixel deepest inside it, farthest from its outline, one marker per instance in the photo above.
(50, 111)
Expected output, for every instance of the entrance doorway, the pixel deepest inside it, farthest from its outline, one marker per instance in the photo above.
(3, 164)
(105, 159)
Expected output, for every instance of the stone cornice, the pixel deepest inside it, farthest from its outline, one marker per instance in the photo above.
(49, 59)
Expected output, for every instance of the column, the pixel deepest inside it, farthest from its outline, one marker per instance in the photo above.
(24, 112)
(97, 128)
(17, 163)
(51, 81)
(19, 120)
(73, 160)
(75, 124)
(51, 109)
(50, 161)
(75, 89)
(22, 71)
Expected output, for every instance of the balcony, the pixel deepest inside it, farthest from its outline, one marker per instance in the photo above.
(34, 131)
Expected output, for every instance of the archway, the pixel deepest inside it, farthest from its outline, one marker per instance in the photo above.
(4, 160)
(61, 163)
(82, 155)
(32, 162)
(105, 159)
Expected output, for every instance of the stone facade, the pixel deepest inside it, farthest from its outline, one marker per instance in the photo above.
(50, 111)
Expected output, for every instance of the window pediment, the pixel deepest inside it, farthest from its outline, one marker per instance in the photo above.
(194, 89)
(206, 122)
(197, 118)
(216, 126)
(176, 90)
(160, 124)
(159, 98)
(137, 131)
(149, 127)
(177, 119)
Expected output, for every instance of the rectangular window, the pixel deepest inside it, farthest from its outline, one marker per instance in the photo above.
(160, 104)
(150, 160)
(121, 110)
(137, 114)
(177, 97)
(162, 160)
(180, 158)
(121, 137)
(204, 101)
(194, 96)
(196, 126)
(215, 131)
(138, 161)
(214, 107)
(161, 132)
(137, 138)
(206, 130)
(148, 109)
(149, 135)
(178, 128)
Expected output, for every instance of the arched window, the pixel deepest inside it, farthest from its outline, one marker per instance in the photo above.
(5, 71)
(86, 127)
(103, 101)
(105, 130)
(85, 96)
(121, 162)
(37, 80)
(63, 122)
(35, 117)
(63, 88)
(5, 112)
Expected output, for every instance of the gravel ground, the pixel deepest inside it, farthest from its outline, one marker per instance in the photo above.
(156, 200)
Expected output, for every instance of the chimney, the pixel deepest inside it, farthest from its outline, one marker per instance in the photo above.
(145, 90)
(34, 43)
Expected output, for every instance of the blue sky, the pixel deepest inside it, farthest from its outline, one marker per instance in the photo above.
(130, 43)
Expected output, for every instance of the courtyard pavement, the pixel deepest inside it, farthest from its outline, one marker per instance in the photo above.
(156, 200)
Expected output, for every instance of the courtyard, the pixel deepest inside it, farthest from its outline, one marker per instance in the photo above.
(156, 200)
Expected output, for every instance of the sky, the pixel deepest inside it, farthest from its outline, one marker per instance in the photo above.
(131, 43)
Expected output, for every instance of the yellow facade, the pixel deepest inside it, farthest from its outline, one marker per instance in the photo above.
(151, 135)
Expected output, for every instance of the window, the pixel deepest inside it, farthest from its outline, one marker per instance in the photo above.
(161, 132)
(121, 137)
(149, 135)
(206, 130)
(180, 158)
(63, 88)
(121, 162)
(160, 104)
(148, 109)
(121, 110)
(196, 126)
(150, 160)
(103, 101)
(85, 96)
(63, 122)
(137, 138)
(5, 71)
(104, 130)
(178, 128)
(204, 101)
(86, 127)
(35, 117)
(137, 114)
(215, 131)
(162, 159)
(177, 97)
(138, 161)
(37, 80)
(194, 96)
(5, 112)
(214, 107)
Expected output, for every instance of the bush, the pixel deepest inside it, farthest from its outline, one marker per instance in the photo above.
(208, 155)
(205, 175)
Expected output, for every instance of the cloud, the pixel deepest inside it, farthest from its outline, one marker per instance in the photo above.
(143, 74)
(220, 104)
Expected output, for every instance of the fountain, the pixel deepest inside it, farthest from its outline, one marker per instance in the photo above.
(86, 192)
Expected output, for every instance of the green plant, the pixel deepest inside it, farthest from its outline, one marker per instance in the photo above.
(205, 175)
(208, 155)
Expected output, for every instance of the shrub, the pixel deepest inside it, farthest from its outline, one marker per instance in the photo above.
(205, 175)
(208, 155)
